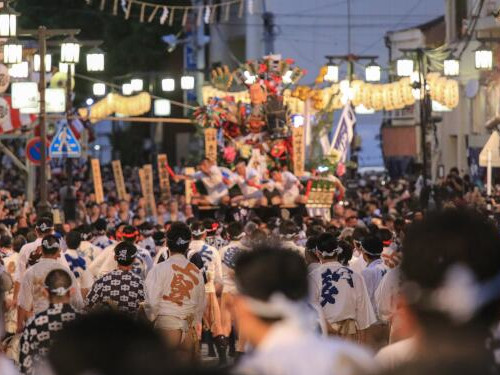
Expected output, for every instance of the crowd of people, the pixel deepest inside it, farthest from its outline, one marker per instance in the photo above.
(385, 285)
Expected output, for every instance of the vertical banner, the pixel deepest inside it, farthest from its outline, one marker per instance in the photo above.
(298, 143)
(96, 175)
(344, 133)
(142, 180)
(163, 177)
(188, 185)
(148, 191)
(119, 180)
(211, 144)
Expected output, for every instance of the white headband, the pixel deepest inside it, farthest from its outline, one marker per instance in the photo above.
(460, 295)
(181, 241)
(366, 251)
(61, 291)
(337, 251)
(46, 245)
(44, 227)
(199, 232)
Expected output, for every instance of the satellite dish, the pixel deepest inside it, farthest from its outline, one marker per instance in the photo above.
(472, 88)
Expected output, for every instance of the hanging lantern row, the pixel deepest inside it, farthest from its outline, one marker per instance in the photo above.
(136, 85)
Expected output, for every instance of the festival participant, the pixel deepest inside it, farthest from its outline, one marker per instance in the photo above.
(340, 292)
(213, 237)
(272, 312)
(32, 299)
(10, 263)
(146, 242)
(213, 270)
(124, 214)
(32, 251)
(373, 274)
(449, 300)
(161, 250)
(289, 233)
(7, 366)
(175, 294)
(106, 262)
(120, 289)
(173, 213)
(211, 177)
(5, 245)
(78, 262)
(228, 254)
(101, 239)
(93, 213)
(86, 247)
(39, 332)
(288, 185)
(249, 182)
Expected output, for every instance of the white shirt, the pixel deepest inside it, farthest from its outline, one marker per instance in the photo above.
(290, 350)
(24, 254)
(398, 353)
(31, 294)
(216, 188)
(7, 367)
(91, 251)
(175, 288)
(79, 265)
(228, 256)
(357, 263)
(373, 274)
(342, 294)
(212, 265)
(162, 250)
(386, 295)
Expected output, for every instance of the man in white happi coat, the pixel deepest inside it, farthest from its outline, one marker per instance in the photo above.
(212, 268)
(229, 254)
(211, 176)
(249, 182)
(340, 292)
(32, 298)
(31, 252)
(175, 294)
(372, 248)
(271, 306)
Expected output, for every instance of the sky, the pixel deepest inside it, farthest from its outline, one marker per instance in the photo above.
(309, 30)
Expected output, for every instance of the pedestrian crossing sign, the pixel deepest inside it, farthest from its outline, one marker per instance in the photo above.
(65, 144)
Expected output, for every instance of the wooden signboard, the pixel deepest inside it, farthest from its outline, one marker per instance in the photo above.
(188, 185)
(211, 144)
(119, 180)
(148, 191)
(96, 175)
(163, 177)
(298, 144)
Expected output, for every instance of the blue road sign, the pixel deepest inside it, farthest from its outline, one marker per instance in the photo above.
(65, 144)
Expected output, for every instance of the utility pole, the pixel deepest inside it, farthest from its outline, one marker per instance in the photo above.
(42, 34)
(269, 34)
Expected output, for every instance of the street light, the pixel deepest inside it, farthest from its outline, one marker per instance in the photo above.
(187, 82)
(332, 72)
(162, 107)
(95, 60)
(70, 51)
(451, 66)
(483, 58)
(12, 52)
(127, 89)
(63, 67)
(168, 84)
(404, 67)
(48, 63)
(19, 70)
(373, 72)
(137, 84)
(99, 89)
(8, 21)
